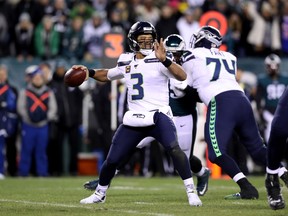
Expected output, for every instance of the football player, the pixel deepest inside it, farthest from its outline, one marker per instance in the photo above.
(270, 87)
(276, 145)
(212, 72)
(184, 117)
(185, 114)
(146, 71)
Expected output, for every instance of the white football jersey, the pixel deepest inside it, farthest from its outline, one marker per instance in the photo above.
(211, 72)
(146, 81)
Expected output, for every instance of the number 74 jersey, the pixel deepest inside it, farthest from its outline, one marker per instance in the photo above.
(211, 72)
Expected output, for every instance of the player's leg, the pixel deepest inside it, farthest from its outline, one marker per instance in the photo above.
(124, 141)
(275, 153)
(184, 125)
(92, 184)
(165, 133)
(222, 116)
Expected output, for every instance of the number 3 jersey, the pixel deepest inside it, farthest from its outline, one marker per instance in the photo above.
(146, 81)
(211, 72)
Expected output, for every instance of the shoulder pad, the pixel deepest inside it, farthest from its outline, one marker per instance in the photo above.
(187, 55)
(125, 59)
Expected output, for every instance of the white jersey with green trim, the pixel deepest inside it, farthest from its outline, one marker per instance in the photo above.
(146, 81)
(211, 72)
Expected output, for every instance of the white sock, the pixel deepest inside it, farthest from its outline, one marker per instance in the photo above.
(201, 172)
(238, 176)
(102, 189)
(189, 185)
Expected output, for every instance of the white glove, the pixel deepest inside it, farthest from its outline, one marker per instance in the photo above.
(178, 88)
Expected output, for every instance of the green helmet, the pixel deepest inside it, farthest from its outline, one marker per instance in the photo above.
(174, 43)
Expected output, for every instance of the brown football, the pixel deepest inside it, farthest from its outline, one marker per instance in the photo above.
(74, 77)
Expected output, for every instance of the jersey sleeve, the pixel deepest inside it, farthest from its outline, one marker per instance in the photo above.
(119, 71)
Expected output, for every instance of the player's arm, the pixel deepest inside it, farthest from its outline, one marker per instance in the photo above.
(97, 74)
(175, 69)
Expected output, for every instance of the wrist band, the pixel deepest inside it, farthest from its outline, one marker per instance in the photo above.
(91, 72)
(167, 62)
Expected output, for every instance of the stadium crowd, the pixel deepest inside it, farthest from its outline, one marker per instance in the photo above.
(73, 29)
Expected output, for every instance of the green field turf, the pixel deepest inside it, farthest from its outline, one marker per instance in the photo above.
(127, 196)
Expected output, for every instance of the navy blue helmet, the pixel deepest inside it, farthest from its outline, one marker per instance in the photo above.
(140, 28)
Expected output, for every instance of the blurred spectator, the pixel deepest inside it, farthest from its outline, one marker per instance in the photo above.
(8, 123)
(46, 39)
(4, 36)
(72, 43)
(265, 33)
(47, 71)
(36, 106)
(116, 22)
(24, 31)
(246, 20)
(60, 17)
(167, 19)
(100, 4)
(101, 97)
(69, 103)
(148, 11)
(6, 28)
(188, 24)
(82, 9)
(36, 9)
(94, 29)
(195, 3)
(233, 35)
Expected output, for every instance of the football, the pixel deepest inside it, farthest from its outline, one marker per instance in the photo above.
(74, 77)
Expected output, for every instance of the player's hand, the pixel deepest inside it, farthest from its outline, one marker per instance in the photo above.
(160, 50)
(178, 87)
(84, 68)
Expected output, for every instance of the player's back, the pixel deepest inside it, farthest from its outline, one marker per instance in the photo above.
(211, 72)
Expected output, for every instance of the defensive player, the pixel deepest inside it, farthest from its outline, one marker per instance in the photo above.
(270, 87)
(146, 72)
(212, 72)
(185, 114)
(183, 105)
(276, 146)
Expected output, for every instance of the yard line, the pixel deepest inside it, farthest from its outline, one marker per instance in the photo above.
(82, 206)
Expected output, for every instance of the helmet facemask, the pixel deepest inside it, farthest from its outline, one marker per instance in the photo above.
(175, 44)
(208, 37)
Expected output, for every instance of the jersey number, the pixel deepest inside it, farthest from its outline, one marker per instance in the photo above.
(138, 86)
(218, 64)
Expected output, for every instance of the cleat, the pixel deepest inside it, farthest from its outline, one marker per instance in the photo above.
(96, 197)
(91, 185)
(233, 196)
(275, 199)
(249, 193)
(193, 199)
(202, 182)
(284, 178)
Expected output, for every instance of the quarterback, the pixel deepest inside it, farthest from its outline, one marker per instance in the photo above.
(146, 71)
